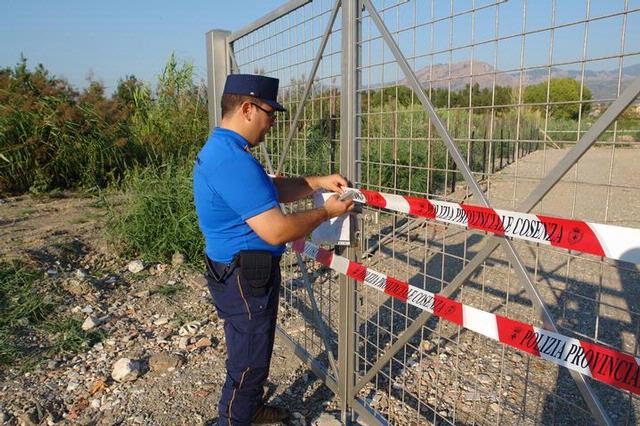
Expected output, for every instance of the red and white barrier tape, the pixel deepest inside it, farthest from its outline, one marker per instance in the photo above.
(593, 360)
(614, 242)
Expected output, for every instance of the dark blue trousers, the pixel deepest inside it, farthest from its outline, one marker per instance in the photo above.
(249, 329)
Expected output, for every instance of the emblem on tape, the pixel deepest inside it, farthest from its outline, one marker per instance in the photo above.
(575, 235)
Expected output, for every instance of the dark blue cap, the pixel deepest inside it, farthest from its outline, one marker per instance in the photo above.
(258, 86)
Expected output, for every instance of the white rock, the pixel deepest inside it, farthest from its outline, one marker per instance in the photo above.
(87, 309)
(95, 403)
(326, 419)
(72, 385)
(135, 266)
(189, 328)
(90, 323)
(125, 370)
(183, 342)
(178, 259)
(161, 321)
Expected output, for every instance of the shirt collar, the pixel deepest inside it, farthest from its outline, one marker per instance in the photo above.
(233, 136)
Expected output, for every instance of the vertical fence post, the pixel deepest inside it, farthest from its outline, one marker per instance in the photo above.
(333, 131)
(218, 66)
(453, 176)
(471, 153)
(512, 150)
(501, 150)
(485, 165)
(519, 145)
(493, 157)
(349, 155)
(332, 144)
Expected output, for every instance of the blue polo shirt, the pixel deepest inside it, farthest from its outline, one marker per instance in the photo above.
(229, 187)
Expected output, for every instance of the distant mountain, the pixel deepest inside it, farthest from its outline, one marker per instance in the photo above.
(603, 84)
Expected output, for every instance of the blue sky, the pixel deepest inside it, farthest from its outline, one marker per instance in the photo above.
(114, 38)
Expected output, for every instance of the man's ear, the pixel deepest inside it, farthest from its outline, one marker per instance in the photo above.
(245, 110)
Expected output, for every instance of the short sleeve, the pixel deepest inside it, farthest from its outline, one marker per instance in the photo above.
(245, 187)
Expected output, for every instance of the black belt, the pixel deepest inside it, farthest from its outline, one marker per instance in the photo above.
(227, 269)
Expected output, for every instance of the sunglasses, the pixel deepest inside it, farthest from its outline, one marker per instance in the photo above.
(271, 114)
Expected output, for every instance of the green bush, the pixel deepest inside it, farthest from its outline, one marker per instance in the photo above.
(54, 137)
(441, 97)
(170, 123)
(158, 217)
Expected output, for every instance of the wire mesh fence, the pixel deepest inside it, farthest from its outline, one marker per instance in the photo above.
(517, 84)
(285, 49)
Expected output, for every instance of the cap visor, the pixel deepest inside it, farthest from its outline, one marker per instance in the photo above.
(274, 105)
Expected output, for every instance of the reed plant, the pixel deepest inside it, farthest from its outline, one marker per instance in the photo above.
(53, 137)
(157, 216)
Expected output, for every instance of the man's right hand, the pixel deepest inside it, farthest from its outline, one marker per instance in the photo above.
(335, 207)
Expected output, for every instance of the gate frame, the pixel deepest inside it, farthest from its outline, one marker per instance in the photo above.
(221, 61)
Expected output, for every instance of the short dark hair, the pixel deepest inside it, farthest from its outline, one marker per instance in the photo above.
(231, 102)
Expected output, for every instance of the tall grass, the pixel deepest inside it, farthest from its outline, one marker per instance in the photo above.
(51, 136)
(54, 137)
(400, 149)
(157, 217)
(171, 122)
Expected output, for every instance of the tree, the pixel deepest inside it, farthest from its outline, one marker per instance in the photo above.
(126, 89)
(564, 97)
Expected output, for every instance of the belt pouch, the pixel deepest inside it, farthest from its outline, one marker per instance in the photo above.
(255, 270)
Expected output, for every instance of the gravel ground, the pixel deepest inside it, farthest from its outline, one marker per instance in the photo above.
(443, 376)
(447, 375)
(175, 341)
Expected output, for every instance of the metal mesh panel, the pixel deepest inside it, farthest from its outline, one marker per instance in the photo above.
(494, 71)
(517, 83)
(285, 49)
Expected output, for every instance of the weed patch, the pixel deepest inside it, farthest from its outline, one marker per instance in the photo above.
(158, 217)
(32, 326)
(168, 290)
(183, 317)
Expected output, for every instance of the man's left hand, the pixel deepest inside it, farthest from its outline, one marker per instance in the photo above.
(333, 183)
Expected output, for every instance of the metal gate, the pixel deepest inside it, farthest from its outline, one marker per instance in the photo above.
(521, 105)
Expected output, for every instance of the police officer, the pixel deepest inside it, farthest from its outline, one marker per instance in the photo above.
(245, 232)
